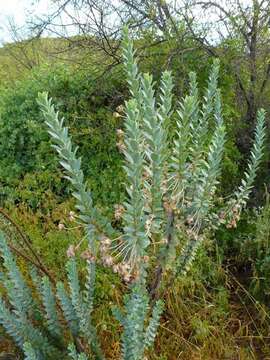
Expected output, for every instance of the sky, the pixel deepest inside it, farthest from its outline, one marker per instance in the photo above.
(19, 11)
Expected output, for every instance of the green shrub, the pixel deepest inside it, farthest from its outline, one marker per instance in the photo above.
(170, 208)
(249, 250)
(28, 166)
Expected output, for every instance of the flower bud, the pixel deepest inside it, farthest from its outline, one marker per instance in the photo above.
(116, 114)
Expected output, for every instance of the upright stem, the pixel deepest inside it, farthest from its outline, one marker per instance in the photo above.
(155, 286)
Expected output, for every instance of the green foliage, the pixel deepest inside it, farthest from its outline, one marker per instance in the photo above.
(45, 335)
(170, 208)
(50, 308)
(71, 163)
(133, 335)
(17, 321)
(19, 294)
(74, 355)
(136, 337)
(68, 309)
(29, 352)
(241, 195)
(27, 162)
(249, 248)
(151, 330)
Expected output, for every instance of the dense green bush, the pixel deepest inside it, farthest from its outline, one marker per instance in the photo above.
(247, 250)
(27, 163)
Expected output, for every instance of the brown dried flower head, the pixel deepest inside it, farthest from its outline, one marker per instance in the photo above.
(120, 133)
(190, 220)
(71, 251)
(106, 241)
(118, 211)
(232, 224)
(127, 278)
(146, 174)
(115, 268)
(107, 260)
(124, 268)
(121, 146)
(222, 215)
(146, 259)
(87, 255)
(61, 226)
(120, 108)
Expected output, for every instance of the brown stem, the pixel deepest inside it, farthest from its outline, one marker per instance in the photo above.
(154, 287)
(27, 258)
(38, 263)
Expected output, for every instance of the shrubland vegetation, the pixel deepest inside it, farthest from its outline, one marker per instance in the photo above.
(169, 253)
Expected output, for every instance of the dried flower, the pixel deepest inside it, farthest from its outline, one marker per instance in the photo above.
(164, 187)
(148, 225)
(146, 174)
(127, 278)
(115, 268)
(116, 114)
(118, 211)
(234, 224)
(87, 255)
(121, 146)
(190, 220)
(71, 216)
(103, 249)
(61, 226)
(136, 275)
(107, 260)
(105, 241)
(120, 108)
(120, 133)
(164, 240)
(222, 215)
(124, 268)
(146, 258)
(71, 251)
(231, 224)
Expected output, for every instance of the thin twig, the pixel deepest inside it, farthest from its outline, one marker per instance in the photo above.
(38, 262)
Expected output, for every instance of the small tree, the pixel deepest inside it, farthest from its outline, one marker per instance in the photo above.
(169, 208)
